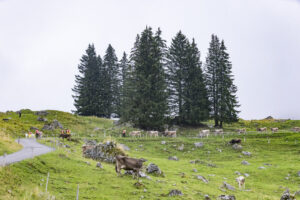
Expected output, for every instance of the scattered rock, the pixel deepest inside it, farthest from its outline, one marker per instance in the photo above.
(126, 148)
(237, 173)
(195, 170)
(287, 196)
(41, 119)
(198, 144)
(262, 167)
(88, 163)
(247, 175)
(211, 165)
(199, 177)
(141, 146)
(244, 162)
(139, 185)
(219, 150)
(163, 142)
(237, 147)
(41, 113)
(181, 147)
(67, 146)
(99, 165)
(206, 197)
(54, 125)
(246, 153)
(175, 193)
(299, 173)
(152, 168)
(267, 164)
(228, 186)
(96, 129)
(173, 158)
(6, 119)
(226, 197)
(145, 190)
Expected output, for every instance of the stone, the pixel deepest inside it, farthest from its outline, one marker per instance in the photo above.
(126, 148)
(198, 144)
(299, 173)
(206, 197)
(244, 162)
(96, 129)
(228, 186)
(181, 147)
(267, 164)
(141, 146)
(237, 147)
(246, 153)
(99, 165)
(67, 146)
(152, 168)
(163, 142)
(173, 158)
(219, 150)
(202, 178)
(287, 196)
(262, 167)
(41, 119)
(226, 197)
(88, 163)
(54, 125)
(175, 193)
(247, 175)
(41, 113)
(237, 173)
(195, 170)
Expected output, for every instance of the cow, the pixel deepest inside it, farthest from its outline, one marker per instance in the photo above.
(296, 129)
(126, 163)
(170, 133)
(241, 181)
(219, 132)
(135, 133)
(153, 133)
(204, 133)
(243, 130)
(63, 136)
(274, 129)
(264, 129)
(235, 141)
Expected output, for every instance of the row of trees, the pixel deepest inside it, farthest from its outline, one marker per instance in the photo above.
(158, 84)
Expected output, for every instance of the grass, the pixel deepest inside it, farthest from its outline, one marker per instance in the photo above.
(7, 144)
(67, 167)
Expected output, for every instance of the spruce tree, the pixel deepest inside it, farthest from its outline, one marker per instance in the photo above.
(112, 86)
(219, 80)
(149, 104)
(86, 89)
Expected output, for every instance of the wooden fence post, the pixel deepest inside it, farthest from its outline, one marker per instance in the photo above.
(77, 194)
(47, 182)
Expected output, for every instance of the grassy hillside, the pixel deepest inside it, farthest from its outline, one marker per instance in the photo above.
(67, 167)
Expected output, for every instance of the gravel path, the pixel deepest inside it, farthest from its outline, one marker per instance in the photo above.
(31, 148)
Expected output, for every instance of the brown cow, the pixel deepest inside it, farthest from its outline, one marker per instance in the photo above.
(274, 129)
(296, 129)
(170, 133)
(126, 163)
(262, 129)
(243, 130)
(63, 136)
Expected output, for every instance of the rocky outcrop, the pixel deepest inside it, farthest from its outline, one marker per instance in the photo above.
(226, 197)
(152, 168)
(175, 193)
(54, 125)
(105, 151)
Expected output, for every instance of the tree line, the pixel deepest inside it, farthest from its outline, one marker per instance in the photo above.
(157, 84)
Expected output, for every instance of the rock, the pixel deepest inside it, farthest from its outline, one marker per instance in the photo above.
(145, 190)
(287, 196)
(141, 146)
(269, 117)
(198, 144)
(6, 119)
(152, 168)
(88, 163)
(96, 129)
(244, 162)
(181, 147)
(103, 151)
(226, 197)
(202, 178)
(237, 147)
(56, 124)
(175, 193)
(262, 167)
(173, 158)
(141, 174)
(237, 173)
(227, 186)
(246, 153)
(41, 113)
(41, 119)
(299, 173)
(126, 148)
(99, 165)
(206, 197)
(163, 142)
(267, 164)
(219, 150)
(67, 146)
(247, 175)
(195, 170)
(211, 165)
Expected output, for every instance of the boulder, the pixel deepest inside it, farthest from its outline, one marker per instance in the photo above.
(163, 142)
(202, 178)
(175, 193)
(244, 162)
(152, 168)
(237, 173)
(299, 173)
(237, 147)
(247, 175)
(246, 153)
(173, 158)
(195, 170)
(206, 197)
(198, 144)
(99, 165)
(41, 119)
(287, 196)
(228, 186)
(226, 197)
(54, 125)
(262, 167)
(181, 147)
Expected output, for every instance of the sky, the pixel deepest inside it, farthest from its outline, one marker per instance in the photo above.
(41, 43)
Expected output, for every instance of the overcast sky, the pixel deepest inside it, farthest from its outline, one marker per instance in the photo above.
(41, 43)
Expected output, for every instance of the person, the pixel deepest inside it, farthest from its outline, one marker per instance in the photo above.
(68, 132)
(20, 114)
(124, 133)
(62, 131)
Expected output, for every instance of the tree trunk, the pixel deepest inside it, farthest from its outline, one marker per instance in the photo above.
(216, 123)
(221, 124)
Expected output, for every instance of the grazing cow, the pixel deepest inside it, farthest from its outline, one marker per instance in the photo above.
(170, 133)
(64, 135)
(296, 129)
(274, 129)
(126, 163)
(153, 133)
(219, 132)
(240, 131)
(204, 133)
(241, 181)
(135, 133)
(235, 141)
(264, 129)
